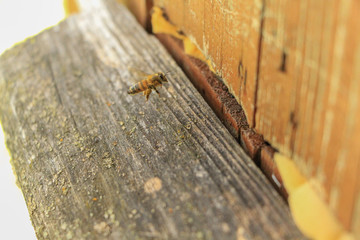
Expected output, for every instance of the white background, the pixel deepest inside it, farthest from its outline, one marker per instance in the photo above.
(19, 19)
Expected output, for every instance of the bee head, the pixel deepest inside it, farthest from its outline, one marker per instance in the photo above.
(162, 77)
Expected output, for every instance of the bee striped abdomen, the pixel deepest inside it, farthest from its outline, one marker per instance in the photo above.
(139, 87)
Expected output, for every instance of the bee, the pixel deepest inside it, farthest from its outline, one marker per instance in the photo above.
(148, 84)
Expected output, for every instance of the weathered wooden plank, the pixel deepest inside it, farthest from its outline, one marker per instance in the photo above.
(308, 96)
(94, 162)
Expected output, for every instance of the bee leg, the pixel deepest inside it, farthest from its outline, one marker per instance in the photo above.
(154, 88)
(147, 94)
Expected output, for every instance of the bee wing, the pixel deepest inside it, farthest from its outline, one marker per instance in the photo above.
(169, 74)
(138, 74)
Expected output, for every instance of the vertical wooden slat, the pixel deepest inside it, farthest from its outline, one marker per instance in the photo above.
(345, 181)
(213, 32)
(240, 51)
(194, 22)
(227, 32)
(308, 94)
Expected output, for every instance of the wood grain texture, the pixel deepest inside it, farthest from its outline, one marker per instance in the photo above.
(308, 95)
(95, 163)
(228, 33)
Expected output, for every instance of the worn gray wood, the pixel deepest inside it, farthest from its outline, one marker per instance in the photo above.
(96, 163)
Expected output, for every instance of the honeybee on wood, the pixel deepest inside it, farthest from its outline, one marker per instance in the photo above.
(148, 84)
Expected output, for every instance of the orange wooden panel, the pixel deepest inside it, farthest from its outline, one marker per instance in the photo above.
(240, 51)
(308, 95)
(228, 33)
(194, 21)
(174, 9)
(139, 9)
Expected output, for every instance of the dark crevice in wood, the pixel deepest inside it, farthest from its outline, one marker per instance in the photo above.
(259, 58)
(283, 62)
(149, 6)
(53, 81)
